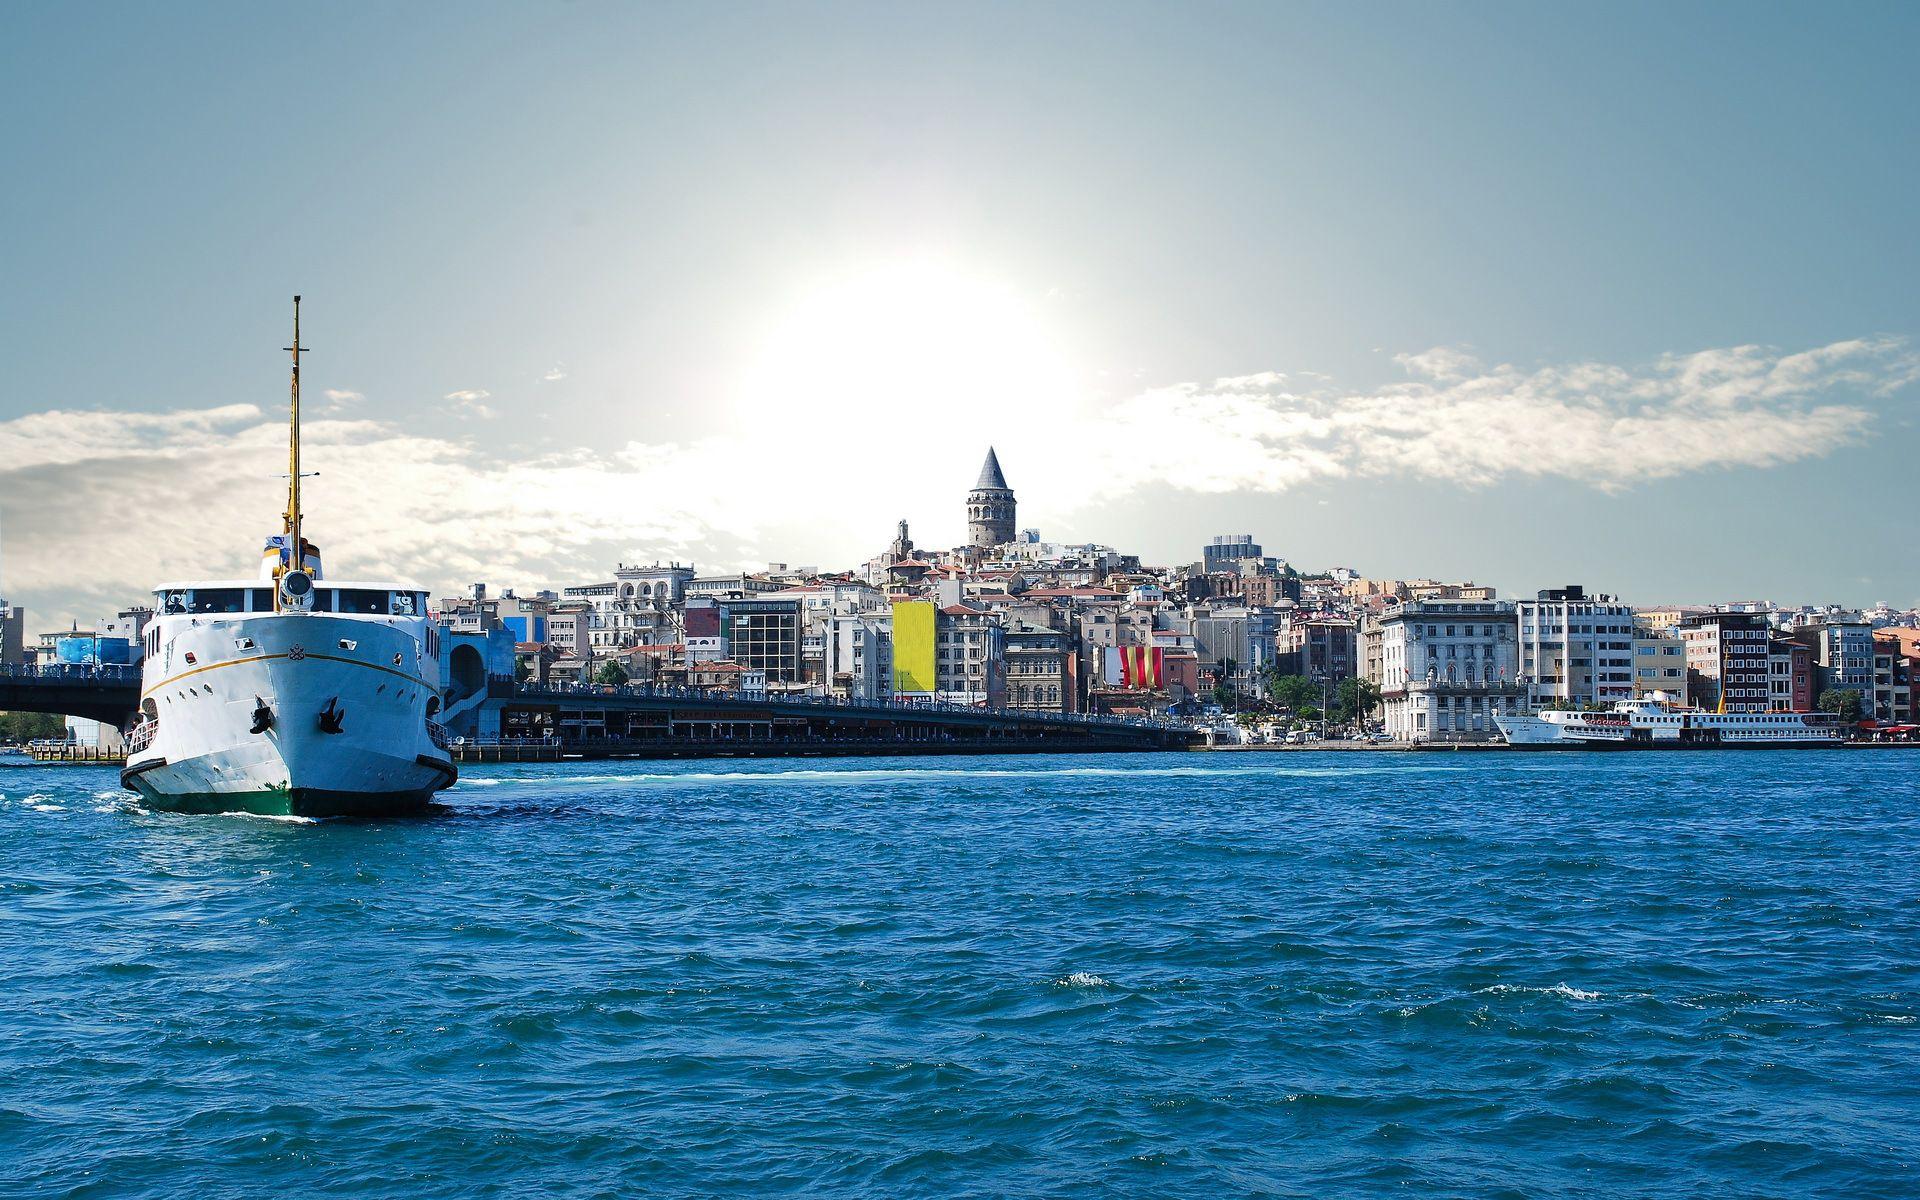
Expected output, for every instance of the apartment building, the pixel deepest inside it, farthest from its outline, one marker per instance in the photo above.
(1576, 649)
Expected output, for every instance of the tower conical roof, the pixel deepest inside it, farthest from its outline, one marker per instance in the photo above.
(990, 476)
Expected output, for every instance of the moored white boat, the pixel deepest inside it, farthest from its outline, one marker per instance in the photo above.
(1655, 723)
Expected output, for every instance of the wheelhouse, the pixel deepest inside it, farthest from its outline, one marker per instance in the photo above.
(350, 599)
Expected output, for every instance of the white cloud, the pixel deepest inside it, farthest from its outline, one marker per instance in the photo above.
(472, 401)
(555, 374)
(339, 399)
(1457, 421)
(154, 496)
(1441, 362)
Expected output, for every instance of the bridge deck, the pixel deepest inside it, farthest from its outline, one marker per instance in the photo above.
(667, 721)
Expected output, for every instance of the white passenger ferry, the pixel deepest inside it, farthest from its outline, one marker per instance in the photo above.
(1657, 722)
(288, 695)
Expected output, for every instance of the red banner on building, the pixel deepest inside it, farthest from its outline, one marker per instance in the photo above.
(1140, 667)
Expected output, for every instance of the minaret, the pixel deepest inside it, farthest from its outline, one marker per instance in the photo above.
(990, 506)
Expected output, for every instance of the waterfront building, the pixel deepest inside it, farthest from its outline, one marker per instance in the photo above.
(990, 507)
(857, 654)
(970, 656)
(1900, 646)
(1659, 664)
(1040, 669)
(1727, 660)
(1842, 645)
(1892, 682)
(1445, 668)
(763, 635)
(13, 635)
(1790, 675)
(1576, 649)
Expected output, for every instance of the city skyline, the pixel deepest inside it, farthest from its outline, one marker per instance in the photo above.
(1518, 296)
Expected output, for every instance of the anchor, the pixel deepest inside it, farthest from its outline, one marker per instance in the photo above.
(331, 716)
(262, 716)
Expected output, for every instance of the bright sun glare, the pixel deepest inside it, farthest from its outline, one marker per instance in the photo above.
(908, 342)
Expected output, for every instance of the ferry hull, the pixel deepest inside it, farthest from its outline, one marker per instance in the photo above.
(348, 735)
(291, 802)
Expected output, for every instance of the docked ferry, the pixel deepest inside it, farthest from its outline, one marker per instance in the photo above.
(1656, 723)
(289, 694)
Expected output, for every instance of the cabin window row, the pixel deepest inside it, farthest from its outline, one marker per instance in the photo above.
(358, 601)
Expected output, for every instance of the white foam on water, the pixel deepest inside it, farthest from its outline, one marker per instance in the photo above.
(1559, 989)
(1082, 979)
(284, 818)
(909, 774)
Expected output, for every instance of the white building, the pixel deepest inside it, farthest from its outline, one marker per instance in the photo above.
(636, 607)
(857, 654)
(1576, 649)
(1445, 668)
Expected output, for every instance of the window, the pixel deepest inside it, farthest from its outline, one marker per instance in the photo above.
(219, 600)
(362, 600)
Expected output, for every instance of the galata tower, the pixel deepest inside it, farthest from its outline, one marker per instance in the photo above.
(990, 506)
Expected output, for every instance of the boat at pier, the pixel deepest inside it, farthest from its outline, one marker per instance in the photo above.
(289, 694)
(1656, 722)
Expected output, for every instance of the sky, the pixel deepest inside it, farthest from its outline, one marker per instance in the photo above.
(1620, 295)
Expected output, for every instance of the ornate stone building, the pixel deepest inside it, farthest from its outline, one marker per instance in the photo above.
(990, 506)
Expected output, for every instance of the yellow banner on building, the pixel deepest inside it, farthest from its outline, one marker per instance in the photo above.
(913, 648)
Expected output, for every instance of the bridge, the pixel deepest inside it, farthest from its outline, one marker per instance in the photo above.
(648, 720)
(663, 721)
(101, 693)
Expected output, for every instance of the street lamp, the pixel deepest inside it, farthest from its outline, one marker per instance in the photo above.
(1324, 680)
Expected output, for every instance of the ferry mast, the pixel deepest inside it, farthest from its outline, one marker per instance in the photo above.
(296, 557)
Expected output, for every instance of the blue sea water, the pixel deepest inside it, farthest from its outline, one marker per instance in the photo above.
(1178, 975)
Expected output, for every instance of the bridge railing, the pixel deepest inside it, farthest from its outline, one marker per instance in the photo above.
(658, 691)
(72, 672)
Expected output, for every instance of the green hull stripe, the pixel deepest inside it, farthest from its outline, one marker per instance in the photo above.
(294, 802)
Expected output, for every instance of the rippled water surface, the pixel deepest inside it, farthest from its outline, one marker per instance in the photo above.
(1199, 975)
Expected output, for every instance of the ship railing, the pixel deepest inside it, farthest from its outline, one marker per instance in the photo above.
(437, 734)
(506, 740)
(141, 736)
